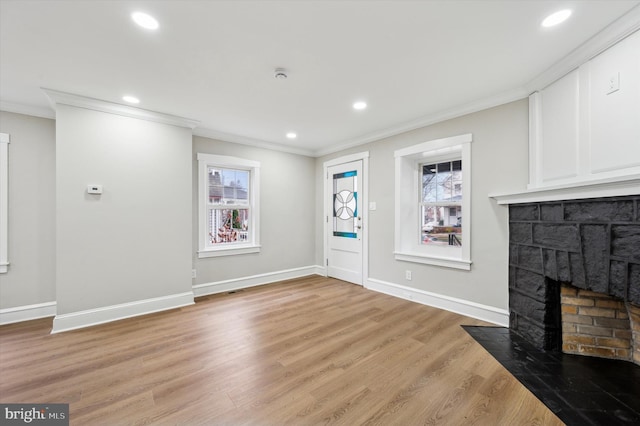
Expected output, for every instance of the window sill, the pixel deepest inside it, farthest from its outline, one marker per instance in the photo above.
(228, 251)
(447, 262)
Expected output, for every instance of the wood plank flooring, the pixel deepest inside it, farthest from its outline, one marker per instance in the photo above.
(302, 352)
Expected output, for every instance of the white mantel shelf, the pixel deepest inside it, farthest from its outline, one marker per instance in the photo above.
(617, 187)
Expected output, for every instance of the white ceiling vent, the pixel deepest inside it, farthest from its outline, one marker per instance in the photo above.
(280, 74)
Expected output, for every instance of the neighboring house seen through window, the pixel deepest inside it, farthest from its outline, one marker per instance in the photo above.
(441, 203)
(229, 211)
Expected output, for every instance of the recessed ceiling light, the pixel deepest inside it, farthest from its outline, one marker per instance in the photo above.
(291, 135)
(131, 99)
(145, 20)
(556, 18)
(360, 105)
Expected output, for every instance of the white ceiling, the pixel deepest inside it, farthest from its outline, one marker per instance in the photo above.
(214, 61)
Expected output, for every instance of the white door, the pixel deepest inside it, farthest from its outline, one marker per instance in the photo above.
(344, 220)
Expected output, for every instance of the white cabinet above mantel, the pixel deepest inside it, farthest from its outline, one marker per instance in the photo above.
(585, 127)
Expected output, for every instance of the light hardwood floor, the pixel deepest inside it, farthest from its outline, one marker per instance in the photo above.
(302, 352)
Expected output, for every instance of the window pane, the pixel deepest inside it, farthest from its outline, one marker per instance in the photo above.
(228, 186)
(456, 186)
(442, 225)
(456, 180)
(444, 167)
(442, 182)
(345, 204)
(228, 225)
(429, 183)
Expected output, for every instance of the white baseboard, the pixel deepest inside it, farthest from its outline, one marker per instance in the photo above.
(27, 312)
(81, 319)
(255, 280)
(452, 304)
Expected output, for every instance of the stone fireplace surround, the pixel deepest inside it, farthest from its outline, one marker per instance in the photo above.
(591, 244)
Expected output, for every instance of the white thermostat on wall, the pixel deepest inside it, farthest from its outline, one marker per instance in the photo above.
(94, 189)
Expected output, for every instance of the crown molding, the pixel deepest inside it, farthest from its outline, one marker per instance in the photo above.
(56, 97)
(244, 140)
(458, 111)
(27, 110)
(619, 29)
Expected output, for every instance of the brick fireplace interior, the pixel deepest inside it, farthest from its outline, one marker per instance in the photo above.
(574, 276)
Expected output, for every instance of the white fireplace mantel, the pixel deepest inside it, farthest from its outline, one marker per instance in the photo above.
(612, 187)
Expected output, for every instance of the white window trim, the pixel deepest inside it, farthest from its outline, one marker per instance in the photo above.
(5, 139)
(253, 246)
(407, 246)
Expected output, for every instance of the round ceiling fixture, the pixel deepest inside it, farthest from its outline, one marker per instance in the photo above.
(280, 74)
(131, 99)
(145, 20)
(360, 105)
(556, 18)
(292, 135)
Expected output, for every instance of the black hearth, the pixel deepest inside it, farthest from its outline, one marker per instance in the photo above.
(580, 390)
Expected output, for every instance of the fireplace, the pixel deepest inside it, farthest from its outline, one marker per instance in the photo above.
(591, 248)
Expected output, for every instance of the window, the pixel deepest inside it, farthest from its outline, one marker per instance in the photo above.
(441, 203)
(432, 202)
(228, 205)
(4, 201)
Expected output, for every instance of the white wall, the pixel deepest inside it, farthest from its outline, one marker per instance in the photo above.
(499, 154)
(582, 122)
(287, 217)
(133, 242)
(614, 118)
(30, 279)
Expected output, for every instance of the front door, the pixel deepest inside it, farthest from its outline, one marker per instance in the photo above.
(344, 219)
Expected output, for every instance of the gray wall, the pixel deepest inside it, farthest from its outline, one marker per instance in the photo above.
(287, 214)
(31, 276)
(499, 155)
(117, 248)
(104, 263)
(133, 242)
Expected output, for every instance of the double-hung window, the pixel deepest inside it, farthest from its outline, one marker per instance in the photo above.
(433, 186)
(441, 203)
(228, 205)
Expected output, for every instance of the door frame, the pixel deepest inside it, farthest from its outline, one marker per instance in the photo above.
(364, 203)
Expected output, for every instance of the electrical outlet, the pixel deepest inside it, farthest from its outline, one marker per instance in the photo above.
(407, 275)
(193, 273)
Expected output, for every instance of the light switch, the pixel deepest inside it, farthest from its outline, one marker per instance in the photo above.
(94, 189)
(372, 205)
(613, 84)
